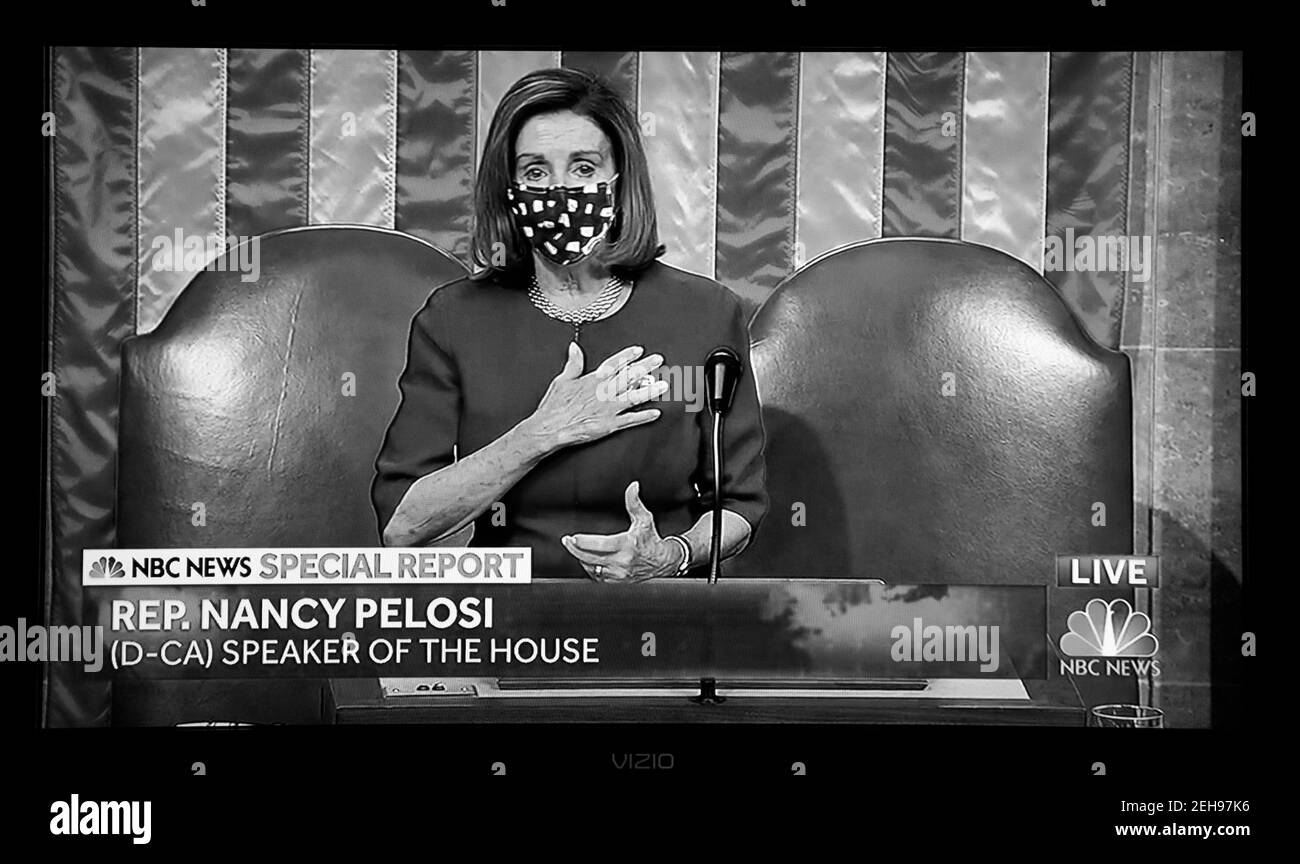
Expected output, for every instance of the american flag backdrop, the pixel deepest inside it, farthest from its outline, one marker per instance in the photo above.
(760, 163)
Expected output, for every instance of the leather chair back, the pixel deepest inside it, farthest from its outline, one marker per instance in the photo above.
(267, 401)
(935, 414)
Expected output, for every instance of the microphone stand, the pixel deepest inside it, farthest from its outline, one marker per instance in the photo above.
(721, 363)
(715, 546)
(708, 694)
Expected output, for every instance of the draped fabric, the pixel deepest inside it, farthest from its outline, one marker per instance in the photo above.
(679, 110)
(1004, 153)
(266, 139)
(353, 161)
(1087, 174)
(181, 182)
(760, 162)
(93, 310)
(841, 168)
(757, 183)
(922, 140)
(435, 146)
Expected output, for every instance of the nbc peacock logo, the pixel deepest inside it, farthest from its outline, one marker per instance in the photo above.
(1109, 638)
(106, 567)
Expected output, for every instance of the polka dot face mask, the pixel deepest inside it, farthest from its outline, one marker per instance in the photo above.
(564, 223)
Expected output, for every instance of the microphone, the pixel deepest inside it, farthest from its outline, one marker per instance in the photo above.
(722, 371)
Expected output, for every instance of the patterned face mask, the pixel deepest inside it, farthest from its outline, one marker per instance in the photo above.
(564, 223)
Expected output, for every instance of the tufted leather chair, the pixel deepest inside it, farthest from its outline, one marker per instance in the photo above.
(935, 414)
(239, 400)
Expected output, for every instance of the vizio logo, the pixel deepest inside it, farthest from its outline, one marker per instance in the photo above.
(642, 761)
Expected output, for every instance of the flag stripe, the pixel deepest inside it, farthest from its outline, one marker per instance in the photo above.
(353, 137)
(93, 312)
(841, 149)
(923, 122)
(266, 140)
(435, 147)
(181, 146)
(497, 70)
(1004, 153)
(756, 171)
(1087, 170)
(679, 111)
(619, 68)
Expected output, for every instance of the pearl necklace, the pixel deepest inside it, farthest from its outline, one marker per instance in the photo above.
(607, 297)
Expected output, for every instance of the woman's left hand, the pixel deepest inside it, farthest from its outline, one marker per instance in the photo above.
(635, 555)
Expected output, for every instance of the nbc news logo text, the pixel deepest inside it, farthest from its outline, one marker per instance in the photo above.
(1109, 639)
(172, 567)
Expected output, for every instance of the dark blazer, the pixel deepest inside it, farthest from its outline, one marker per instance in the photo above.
(479, 360)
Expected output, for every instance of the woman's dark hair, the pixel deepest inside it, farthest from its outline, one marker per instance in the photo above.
(633, 239)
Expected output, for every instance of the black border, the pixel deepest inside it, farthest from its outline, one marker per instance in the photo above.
(999, 780)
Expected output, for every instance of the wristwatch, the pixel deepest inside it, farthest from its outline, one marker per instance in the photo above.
(686, 553)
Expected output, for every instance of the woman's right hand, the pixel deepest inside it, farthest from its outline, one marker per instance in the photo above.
(578, 408)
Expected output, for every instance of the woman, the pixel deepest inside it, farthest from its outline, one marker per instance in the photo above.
(544, 372)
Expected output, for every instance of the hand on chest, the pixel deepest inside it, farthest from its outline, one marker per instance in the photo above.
(505, 388)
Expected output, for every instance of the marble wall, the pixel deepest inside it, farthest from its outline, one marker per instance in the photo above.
(1182, 331)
